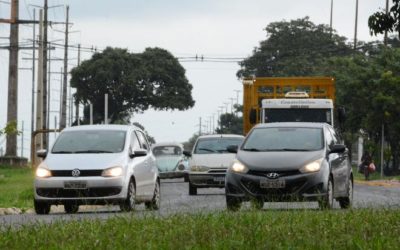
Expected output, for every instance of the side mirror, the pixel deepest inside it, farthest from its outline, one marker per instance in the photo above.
(42, 153)
(232, 148)
(338, 148)
(187, 153)
(138, 153)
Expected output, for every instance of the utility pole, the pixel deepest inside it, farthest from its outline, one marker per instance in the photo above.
(39, 93)
(355, 27)
(76, 102)
(63, 119)
(199, 126)
(387, 10)
(330, 23)
(44, 74)
(12, 102)
(33, 74)
(22, 140)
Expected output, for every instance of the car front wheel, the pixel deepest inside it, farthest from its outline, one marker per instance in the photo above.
(71, 208)
(154, 204)
(129, 203)
(346, 202)
(192, 189)
(233, 203)
(41, 207)
(326, 202)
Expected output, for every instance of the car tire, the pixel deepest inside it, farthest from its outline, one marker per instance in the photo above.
(257, 203)
(186, 178)
(233, 203)
(129, 203)
(326, 202)
(41, 207)
(346, 202)
(192, 189)
(71, 208)
(154, 204)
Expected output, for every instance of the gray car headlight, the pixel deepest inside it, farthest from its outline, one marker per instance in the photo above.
(42, 172)
(197, 168)
(112, 172)
(238, 167)
(314, 166)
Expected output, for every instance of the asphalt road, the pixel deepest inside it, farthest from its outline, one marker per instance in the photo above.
(175, 200)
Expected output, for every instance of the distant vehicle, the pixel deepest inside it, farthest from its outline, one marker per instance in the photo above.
(171, 162)
(288, 99)
(290, 162)
(97, 164)
(210, 159)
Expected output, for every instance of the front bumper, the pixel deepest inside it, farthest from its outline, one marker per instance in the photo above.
(173, 174)
(216, 179)
(297, 187)
(83, 190)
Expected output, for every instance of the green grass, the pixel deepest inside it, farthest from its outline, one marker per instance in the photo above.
(16, 187)
(374, 176)
(268, 229)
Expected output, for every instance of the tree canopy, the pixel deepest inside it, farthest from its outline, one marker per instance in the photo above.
(294, 48)
(134, 82)
(381, 22)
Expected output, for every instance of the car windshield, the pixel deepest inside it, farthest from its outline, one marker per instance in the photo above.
(90, 141)
(167, 151)
(284, 139)
(216, 145)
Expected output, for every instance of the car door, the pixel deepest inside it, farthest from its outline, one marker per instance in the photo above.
(149, 172)
(342, 171)
(334, 159)
(138, 166)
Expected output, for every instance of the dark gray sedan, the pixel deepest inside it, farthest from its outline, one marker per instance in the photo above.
(290, 162)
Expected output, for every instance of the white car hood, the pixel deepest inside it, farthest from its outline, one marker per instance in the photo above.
(212, 160)
(83, 161)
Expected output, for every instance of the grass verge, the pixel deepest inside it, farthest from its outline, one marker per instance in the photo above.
(373, 176)
(271, 229)
(16, 187)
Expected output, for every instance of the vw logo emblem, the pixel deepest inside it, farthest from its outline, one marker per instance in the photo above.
(272, 175)
(76, 172)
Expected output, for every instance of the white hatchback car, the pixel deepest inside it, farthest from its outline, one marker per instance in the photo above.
(97, 164)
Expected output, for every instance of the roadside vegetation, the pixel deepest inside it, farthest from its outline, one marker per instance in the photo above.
(16, 187)
(373, 176)
(267, 229)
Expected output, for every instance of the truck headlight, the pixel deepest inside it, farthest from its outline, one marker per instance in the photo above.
(42, 172)
(314, 166)
(112, 172)
(238, 167)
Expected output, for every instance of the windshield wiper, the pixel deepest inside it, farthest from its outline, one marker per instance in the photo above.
(62, 152)
(252, 149)
(93, 151)
(207, 149)
(289, 149)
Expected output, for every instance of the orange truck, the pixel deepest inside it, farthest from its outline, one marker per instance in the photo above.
(287, 99)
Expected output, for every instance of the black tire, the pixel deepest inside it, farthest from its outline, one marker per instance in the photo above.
(71, 207)
(186, 178)
(347, 202)
(41, 207)
(192, 189)
(233, 203)
(129, 203)
(326, 202)
(154, 204)
(257, 203)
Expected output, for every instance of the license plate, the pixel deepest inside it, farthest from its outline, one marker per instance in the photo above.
(272, 183)
(75, 185)
(219, 179)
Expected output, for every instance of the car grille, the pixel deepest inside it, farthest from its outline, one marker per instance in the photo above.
(83, 173)
(217, 170)
(264, 173)
(77, 193)
(290, 188)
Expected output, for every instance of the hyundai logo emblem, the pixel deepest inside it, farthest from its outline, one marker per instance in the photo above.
(76, 172)
(272, 175)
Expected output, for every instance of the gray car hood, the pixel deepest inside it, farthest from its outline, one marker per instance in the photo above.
(278, 160)
(84, 161)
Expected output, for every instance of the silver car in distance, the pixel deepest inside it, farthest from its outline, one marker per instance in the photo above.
(97, 164)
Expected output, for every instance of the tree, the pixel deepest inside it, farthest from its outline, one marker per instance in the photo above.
(188, 145)
(150, 138)
(295, 48)
(381, 22)
(133, 82)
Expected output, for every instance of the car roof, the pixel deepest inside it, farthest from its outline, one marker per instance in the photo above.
(101, 127)
(292, 124)
(221, 136)
(168, 144)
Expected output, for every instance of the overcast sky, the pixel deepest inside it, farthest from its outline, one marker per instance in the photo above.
(212, 28)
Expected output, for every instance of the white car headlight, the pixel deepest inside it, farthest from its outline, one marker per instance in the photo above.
(42, 172)
(312, 166)
(112, 172)
(238, 167)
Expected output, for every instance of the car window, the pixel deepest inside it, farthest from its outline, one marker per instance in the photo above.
(284, 139)
(169, 150)
(142, 140)
(90, 141)
(329, 138)
(216, 145)
(335, 136)
(134, 143)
